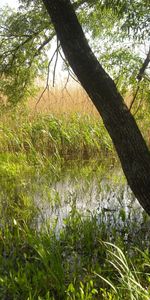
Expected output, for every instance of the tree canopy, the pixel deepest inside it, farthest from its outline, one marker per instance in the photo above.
(117, 30)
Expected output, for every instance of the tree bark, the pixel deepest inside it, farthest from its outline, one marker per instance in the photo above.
(126, 136)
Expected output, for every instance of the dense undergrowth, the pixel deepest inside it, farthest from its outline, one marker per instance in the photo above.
(93, 255)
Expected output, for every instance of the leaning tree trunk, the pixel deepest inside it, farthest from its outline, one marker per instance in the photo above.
(129, 143)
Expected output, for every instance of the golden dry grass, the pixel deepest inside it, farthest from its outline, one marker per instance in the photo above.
(60, 100)
(63, 100)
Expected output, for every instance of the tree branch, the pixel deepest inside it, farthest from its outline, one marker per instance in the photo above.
(56, 60)
(133, 100)
(140, 76)
(71, 74)
(47, 80)
(144, 66)
(44, 44)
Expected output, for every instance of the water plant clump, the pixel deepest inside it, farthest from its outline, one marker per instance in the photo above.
(77, 264)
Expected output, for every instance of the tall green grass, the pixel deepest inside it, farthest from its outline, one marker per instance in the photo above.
(73, 136)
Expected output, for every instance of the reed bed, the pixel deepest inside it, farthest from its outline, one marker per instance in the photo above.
(61, 100)
(70, 137)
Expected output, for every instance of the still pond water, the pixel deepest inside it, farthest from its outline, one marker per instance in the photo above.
(101, 194)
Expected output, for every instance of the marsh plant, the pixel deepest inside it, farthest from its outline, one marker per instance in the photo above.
(54, 243)
(77, 264)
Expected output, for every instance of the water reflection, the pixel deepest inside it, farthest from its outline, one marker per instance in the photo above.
(111, 204)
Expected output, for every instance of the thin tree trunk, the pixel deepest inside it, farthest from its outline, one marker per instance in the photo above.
(127, 138)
